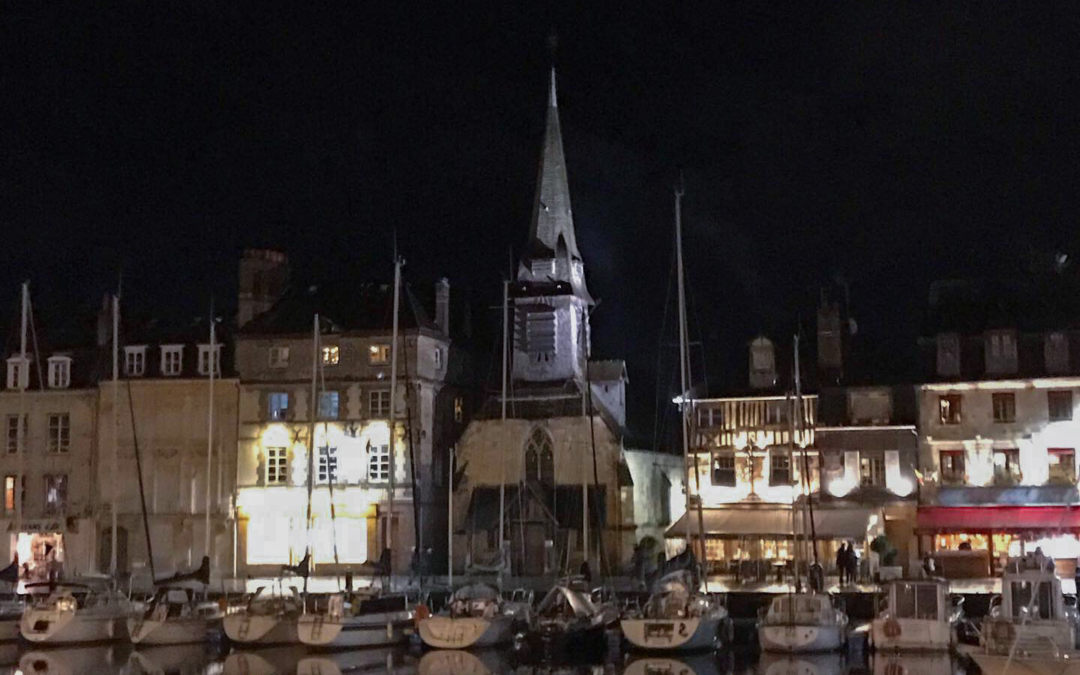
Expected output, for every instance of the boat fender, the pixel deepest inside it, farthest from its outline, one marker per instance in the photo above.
(422, 612)
(892, 628)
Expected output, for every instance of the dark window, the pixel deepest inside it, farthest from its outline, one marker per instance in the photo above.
(1062, 464)
(949, 408)
(277, 406)
(872, 471)
(952, 466)
(776, 412)
(665, 500)
(948, 355)
(1060, 405)
(723, 470)
(1006, 466)
(329, 405)
(1005, 407)
(780, 468)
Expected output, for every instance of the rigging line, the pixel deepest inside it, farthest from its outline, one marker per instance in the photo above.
(142, 490)
(657, 418)
(701, 338)
(417, 533)
(331, 474)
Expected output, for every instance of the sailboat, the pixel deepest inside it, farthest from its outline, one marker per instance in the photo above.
(801, 622)
(677, 617)
(274, 618)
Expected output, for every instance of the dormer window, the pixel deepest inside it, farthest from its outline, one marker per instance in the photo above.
(1056, 351)
(948, 355)
(172, 360)
(59, 372)
(135, 361)
(205, 360)
(1001, 352)
(279, 357)
(18, 373)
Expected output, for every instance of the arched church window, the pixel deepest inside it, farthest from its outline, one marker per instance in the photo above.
(540, 457)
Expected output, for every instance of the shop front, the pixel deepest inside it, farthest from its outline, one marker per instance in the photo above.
(758, 543)
(63, 546)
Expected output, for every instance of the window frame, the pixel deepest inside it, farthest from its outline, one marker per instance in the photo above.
(18, 373)
(876, 472)
(59, 372)
(1010, 473)
(775, 455)
(378, 463)
(952, 476)
(327, 466)
(135, 361)
(378, 354)
(330, 355)
(1062, 395)
(276, 470)
(60, 506)
(323, 397)
(172, 367)
(277, 356)
(1008, 405)
(1059, 453)
(59, 438)
(383, 397)
(719, 475)
(204, 358)
(14, 449)
(277, 413)
(950, 419)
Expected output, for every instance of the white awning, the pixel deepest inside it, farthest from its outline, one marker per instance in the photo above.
(774, 522)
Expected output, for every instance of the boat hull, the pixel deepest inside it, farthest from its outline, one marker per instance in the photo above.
(444, 632)
(1001, 664)
(69, 627)
(671, 635)
(892, 634)
(315, 630)
(801, 638)
(248, 629)
(171, 631)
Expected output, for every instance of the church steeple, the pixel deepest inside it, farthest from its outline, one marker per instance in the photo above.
(552, 253)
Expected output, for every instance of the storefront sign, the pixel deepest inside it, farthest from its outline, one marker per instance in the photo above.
(38, 526)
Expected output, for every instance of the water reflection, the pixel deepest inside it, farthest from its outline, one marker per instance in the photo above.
(214, 660)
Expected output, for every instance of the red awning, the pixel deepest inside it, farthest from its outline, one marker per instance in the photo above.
(959, 519)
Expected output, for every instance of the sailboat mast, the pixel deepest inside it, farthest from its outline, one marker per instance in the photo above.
(502, 455)
(801, 421)
(393, 415)
(23, 382)
(312, 411)
(115, 432)
(210, 427)
(684, 374)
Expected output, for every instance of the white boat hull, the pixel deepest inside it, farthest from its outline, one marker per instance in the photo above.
(995, 664)
(800, 638)
(444, 632)
(316, 630)
(894, 634)
(695, 633)
(170, 631)
(42, 626)
(258, 629)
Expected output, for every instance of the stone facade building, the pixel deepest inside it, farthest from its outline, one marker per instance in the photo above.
(554, 468)
(275, 355)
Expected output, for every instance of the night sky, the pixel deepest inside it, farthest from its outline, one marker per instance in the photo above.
(886, 144)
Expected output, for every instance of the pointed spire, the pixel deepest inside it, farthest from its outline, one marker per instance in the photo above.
(552, 228)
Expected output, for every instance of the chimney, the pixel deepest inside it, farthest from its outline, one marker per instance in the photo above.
(762, 363)
(104, 323)
(442, 305)
(264, 276)
(830, 340)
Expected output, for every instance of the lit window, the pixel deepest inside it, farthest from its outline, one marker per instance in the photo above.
(172, 360)
(277, 466)
(1004, 407)
(952, 466)
(872, 471)
(328, 465)
(56, 487)
(204, 360)
(459, 409)
(438, 357)
(723, 470)
(59, 432)
(328, 405)
(1062, 464)
(378, 463)
(378, 354)
(277, 405)
(1060, 405)
(59, 372)
(279, 357)
(379, 403)
(13, 432)
(18, 373)
(949, 408)
(134, 361)
(9, 493)
(331, 355)
(779, 468)
(1006, 466)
